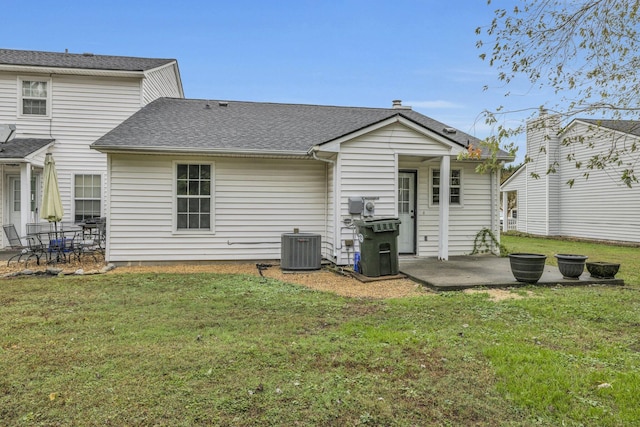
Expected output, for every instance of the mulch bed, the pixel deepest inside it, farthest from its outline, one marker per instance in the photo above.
(329, 280)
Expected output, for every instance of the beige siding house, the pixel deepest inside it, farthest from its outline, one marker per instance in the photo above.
(60, 103)
(223, 180)
(601, 207)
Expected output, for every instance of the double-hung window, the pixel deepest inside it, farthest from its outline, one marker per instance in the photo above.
(87, 197)
(193, 196)
(455, 187)
(35, 95)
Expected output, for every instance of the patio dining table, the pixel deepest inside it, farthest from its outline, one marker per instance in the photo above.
(58, 246)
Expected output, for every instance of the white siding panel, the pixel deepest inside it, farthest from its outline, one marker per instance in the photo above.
(600, 207)
(537, 195)
(330, 225)
(82, 110)
(162, 82)
(8, 98)
(256, 200)
(367, 169)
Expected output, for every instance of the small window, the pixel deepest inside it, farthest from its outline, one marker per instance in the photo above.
(193, 196)
(17, 194)
(34, 97)
(455, 187)
(404, 191)
(88, 197)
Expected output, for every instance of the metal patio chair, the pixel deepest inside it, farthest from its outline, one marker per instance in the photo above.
(33, 248)
(87, 245)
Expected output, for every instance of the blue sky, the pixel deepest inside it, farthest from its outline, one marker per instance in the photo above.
(353, 52)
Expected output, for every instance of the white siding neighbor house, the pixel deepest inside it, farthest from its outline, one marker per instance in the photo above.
(60, 103)
(204, 180)
(599, 206)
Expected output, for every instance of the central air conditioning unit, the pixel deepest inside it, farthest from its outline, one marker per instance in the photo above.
(300, 251)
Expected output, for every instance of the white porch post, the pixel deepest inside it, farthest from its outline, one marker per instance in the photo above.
(505, 205)
(443, 229)
(25, 197)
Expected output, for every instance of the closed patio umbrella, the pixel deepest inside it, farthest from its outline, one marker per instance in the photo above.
(51, 208)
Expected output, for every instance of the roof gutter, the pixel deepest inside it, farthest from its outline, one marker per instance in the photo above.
(114, 149)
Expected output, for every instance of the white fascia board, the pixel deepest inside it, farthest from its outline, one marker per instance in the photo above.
(70, 71)
(13, 160)
(201, 151)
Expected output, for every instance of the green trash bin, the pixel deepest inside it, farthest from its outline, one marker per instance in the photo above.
(378, 246)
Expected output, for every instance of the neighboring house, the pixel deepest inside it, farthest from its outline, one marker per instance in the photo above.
(223, 180)
(599, 207)
(61, 103)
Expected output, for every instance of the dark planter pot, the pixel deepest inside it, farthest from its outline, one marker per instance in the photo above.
(571, 266)
(527, 268)
(603, 270)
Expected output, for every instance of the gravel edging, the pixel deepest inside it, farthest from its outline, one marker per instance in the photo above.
(333, 280)
(326, 279)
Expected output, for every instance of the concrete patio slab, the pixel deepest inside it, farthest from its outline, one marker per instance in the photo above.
(489, 271)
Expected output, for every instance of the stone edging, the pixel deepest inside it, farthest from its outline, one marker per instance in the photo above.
(59, 272)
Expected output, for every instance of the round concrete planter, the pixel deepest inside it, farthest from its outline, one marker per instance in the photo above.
(603, 270)
(527, 268)
(571, 266)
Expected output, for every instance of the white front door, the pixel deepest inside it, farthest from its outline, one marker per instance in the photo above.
(13, 201)
(406, 212)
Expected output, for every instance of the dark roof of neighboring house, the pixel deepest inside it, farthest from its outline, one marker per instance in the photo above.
(19, 148)
(626, 126)
(86, 61)
(192, 124)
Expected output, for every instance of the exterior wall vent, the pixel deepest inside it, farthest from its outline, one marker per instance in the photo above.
(301, 251)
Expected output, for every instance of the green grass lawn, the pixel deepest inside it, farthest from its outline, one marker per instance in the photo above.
(206, 349)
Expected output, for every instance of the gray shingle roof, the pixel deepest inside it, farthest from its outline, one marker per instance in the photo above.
(18, 148)
(626, 126)
(188, 124)
(80, 61)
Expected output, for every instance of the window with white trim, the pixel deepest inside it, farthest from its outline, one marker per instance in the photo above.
(35, 97)
(193, 196)
(87, 197)
(455, 187)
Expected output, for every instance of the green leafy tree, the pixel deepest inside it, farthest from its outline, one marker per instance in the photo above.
(586, 51)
